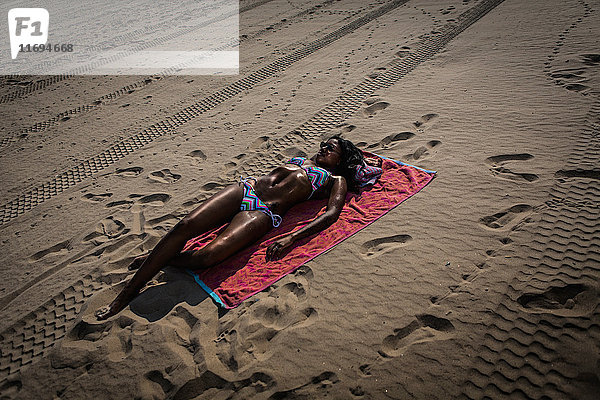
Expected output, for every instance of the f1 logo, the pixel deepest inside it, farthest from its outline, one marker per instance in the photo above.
(27, 26)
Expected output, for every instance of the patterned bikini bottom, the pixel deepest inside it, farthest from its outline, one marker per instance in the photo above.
(251, 202)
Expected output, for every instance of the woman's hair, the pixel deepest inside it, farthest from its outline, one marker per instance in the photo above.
(351, 158)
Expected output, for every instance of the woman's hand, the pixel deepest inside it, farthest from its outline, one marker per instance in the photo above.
(276, 249)
(374, 161)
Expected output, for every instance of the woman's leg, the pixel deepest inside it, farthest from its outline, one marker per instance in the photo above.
(215, 211)
(244, 229)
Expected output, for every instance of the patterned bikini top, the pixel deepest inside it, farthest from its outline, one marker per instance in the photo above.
(316, 175)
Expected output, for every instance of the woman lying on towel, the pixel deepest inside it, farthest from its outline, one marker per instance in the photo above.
(254, 206)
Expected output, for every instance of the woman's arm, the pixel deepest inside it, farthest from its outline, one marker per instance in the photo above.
(335, 204)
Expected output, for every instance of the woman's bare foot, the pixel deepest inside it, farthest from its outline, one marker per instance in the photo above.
(137, 262)
(104, 313)
(118, 304)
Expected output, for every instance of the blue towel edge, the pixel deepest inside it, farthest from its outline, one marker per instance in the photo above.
(208, 290)
(408, 165)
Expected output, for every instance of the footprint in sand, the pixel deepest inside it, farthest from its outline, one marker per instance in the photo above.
(317, 387)
(391, 141)
(210, 383)
(347, 129)
(154, 200)
(576, 77)
(211, 186)
(107, 229)
(447, 10)
(131, 172)
(121, 204)
(379, 246)
(425, 120)
(246, 335)
(378, 71)
(365, 370)
(508, 157)
(114, 336)
(572, 79)
(183, 321)
(374, 108)
(161, 378)
(234, 163)
(256, 340)
(591, 59)
(511, 218)
(59, 250)
(168, 220)
(96, 197)
(343, 128)
(118, 248)
(404, 51)
(164, 176)
(111, 227)
(578, 173)
(497, 167)
(423, 151)
(261, 142)
(494, 252)
(577, 87)
(197, 155)
(571, 300)
(425, 328)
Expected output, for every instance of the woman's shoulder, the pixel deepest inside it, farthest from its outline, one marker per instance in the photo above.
(339, 179)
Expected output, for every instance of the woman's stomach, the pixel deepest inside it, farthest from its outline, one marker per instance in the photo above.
(283, 188)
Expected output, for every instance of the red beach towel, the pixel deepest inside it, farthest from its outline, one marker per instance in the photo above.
(247, 272)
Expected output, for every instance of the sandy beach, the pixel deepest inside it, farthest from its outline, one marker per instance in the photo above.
(482, 285)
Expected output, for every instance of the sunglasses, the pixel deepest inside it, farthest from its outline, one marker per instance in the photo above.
(328, 147)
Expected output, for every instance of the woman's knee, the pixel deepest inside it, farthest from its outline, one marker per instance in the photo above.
(184, 227)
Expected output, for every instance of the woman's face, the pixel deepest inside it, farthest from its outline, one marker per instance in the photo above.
(330, 154)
